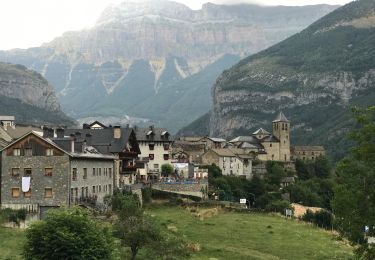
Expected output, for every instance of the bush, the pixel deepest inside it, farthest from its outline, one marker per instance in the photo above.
(68, 234)
(322, 218)
(146, 195)
(278, 206)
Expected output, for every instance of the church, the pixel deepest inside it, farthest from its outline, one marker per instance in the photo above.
(267, 146)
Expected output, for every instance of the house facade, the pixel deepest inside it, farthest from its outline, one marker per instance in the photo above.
(307, 152)
(155, 146)
(38, 173)
(233, 162)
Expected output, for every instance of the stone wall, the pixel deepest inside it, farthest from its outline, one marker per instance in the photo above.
(102, 180)
(193, 188)
(59, 181)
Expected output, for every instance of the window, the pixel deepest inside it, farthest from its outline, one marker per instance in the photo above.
(93, 172)
(74, 174)
(17, 152)
(82, 192)
(84, 174)
(27, 171)
(110, 172)
(270, 145)
(166, 156)
(166, 147)
(48, 193)
(100, 188)
(156, 166)
(151, 156)
(93, 189)
(87, 191)
(27, 194)
(28, 152)
(15, 192)
(49, 152)
(151, 147)
(100, 171)
(48, 172)
(15, 172)
(110, 188)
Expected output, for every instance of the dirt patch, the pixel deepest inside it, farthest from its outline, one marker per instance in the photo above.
(204, 213)
(300, 210)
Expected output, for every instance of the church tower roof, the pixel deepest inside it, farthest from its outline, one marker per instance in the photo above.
(280, 118)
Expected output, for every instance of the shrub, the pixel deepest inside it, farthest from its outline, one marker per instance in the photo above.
(322, 218)
(278, 206)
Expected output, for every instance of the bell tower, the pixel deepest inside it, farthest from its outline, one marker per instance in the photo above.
(281, 130)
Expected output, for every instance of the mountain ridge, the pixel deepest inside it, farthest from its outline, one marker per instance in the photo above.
(89, 67)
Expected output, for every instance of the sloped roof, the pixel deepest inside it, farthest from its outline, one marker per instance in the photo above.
(226, 152)
(281, 118)
(261, 131)
(248, 139)
(19, 131)
(270, 138)
(97, 123)
(154, 134)
(218, 140)
(103, 140)
(247, 145)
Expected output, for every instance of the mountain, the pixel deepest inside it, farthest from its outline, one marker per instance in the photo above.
(157, 60)
(29, 97)
(314, 77)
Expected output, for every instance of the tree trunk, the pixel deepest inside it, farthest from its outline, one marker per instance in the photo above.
(134, 252)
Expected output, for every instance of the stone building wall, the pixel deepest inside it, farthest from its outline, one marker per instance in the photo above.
(59, 181)
(101, 178)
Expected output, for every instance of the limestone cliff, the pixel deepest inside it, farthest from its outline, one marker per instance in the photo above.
(28, 96)
(153, 59)
(314, 77)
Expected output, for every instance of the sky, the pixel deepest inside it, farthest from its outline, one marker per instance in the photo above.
(30, 23)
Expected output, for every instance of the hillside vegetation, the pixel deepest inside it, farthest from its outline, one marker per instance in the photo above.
(314, 77)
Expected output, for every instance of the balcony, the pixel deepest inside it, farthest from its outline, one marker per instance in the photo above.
(129, 169)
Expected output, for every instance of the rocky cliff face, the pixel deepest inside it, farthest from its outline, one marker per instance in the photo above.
(314, 77)
(151, 60)
(28, 96)
(17, 81)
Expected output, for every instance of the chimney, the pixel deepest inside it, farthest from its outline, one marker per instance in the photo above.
(51, 133)
(45, 131)
(88, 139)
(117, 132)
(60, 132)
(78, 135)
(72, 140)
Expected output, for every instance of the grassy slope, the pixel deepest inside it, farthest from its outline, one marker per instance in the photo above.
(245, 236)
(11, 242)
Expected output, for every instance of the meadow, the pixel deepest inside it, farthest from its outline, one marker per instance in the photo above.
(230, 235)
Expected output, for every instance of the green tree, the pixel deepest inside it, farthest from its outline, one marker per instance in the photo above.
(167, 168)
(68, 234)
(354, 197)
(275, 172)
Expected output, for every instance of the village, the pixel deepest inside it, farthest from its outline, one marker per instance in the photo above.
(47, 167)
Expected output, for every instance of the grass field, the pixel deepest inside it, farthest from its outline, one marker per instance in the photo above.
(253, 236)
(229, 236)
(11, 242)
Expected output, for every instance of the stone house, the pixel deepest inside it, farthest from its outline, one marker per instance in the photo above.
(307, 152)
(117, 141)
(235, 162)
(39, 173)
(155, 145)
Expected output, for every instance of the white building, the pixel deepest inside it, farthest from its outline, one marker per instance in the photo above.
(156, 145)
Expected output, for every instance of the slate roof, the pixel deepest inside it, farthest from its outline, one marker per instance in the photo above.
(248, 139)
(152, 134)
(97, 123)
(261, 131)
(280, 118)
(19, 131)
(102, 139)
(218, 140)
(270, 138)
